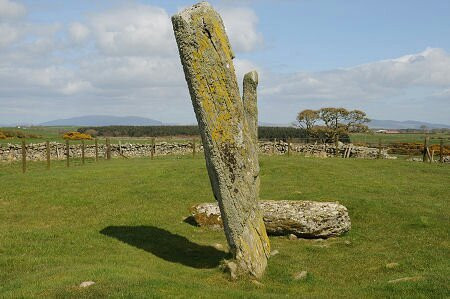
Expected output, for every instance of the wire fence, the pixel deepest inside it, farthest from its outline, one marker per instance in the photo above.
(429, 150)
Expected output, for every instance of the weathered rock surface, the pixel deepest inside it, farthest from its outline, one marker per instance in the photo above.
(307, 219)
(225, 123)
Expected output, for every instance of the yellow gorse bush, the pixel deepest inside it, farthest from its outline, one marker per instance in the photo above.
(76, 136)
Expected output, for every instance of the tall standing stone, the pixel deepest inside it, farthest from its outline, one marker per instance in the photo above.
(228, 131)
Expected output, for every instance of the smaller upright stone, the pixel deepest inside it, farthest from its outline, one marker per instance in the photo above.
(250, 103)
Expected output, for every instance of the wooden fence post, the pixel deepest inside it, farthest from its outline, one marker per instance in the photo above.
(48, 154)
(108, 149)
(425, 150)
(96, 150)
(24, 157)
(379, 148)
(82, 151)
(193, 148)
(152, 151)
(67, 153)
(441, 151)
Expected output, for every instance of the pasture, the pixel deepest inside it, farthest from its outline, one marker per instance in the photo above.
(120, 224)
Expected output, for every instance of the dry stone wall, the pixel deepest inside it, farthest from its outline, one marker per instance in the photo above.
(324, 150)
(37, 151)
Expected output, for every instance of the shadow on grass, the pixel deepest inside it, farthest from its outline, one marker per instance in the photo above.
(166, 245)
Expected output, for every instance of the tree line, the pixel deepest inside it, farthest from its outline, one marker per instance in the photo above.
(265, 133)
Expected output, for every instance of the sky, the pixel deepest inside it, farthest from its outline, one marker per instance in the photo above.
(61, 59)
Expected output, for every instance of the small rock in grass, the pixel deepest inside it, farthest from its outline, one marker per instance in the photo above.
(274, 252)
(347, 242)
(292, 237)
(300, 275)
(86, 284)
(403, 279)
(232, 268)
(392, 265)
(218, 246)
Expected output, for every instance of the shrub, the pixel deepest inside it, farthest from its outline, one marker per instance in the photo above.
(76, 136)
(91, 132)
(18, 134)
(2, 136)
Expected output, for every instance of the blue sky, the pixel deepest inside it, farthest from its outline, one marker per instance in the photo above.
(71, 58)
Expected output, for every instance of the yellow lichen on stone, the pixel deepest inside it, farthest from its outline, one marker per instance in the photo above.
(212, 90)
(230, 152)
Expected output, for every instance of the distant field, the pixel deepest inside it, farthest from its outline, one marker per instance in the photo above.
(373, 138)
(45, 133)
(55, 134)
(120, 223)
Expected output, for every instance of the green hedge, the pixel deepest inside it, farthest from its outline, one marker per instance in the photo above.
(264, 133)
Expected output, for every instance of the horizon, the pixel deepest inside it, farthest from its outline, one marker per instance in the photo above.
(119, 58)
(260, 123)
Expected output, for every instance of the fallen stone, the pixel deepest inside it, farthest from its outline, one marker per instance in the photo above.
(392, 265)
(300, 275)
(86, 284)
(274, 252)
(292, 237)
(307, 219)
(403, 279)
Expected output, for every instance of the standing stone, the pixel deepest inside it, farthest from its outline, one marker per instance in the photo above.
(227, 131)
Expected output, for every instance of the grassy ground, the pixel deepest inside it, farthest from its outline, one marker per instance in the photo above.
(120, 224)
(42, 133)
(56, 133)
(373, 138)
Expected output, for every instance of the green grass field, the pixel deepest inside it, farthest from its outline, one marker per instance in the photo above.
(373, 138)
(54, 134)
(120, 223)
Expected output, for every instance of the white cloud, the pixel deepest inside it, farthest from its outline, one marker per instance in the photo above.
(430, 68)
(243, 66)
(125, 73)
(126, 62)
(241, 26)
(8, 34)
(11, 9)
(78, 32)
(139, 31)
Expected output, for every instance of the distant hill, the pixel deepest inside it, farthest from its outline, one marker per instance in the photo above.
(408, 124)
(103, 120)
